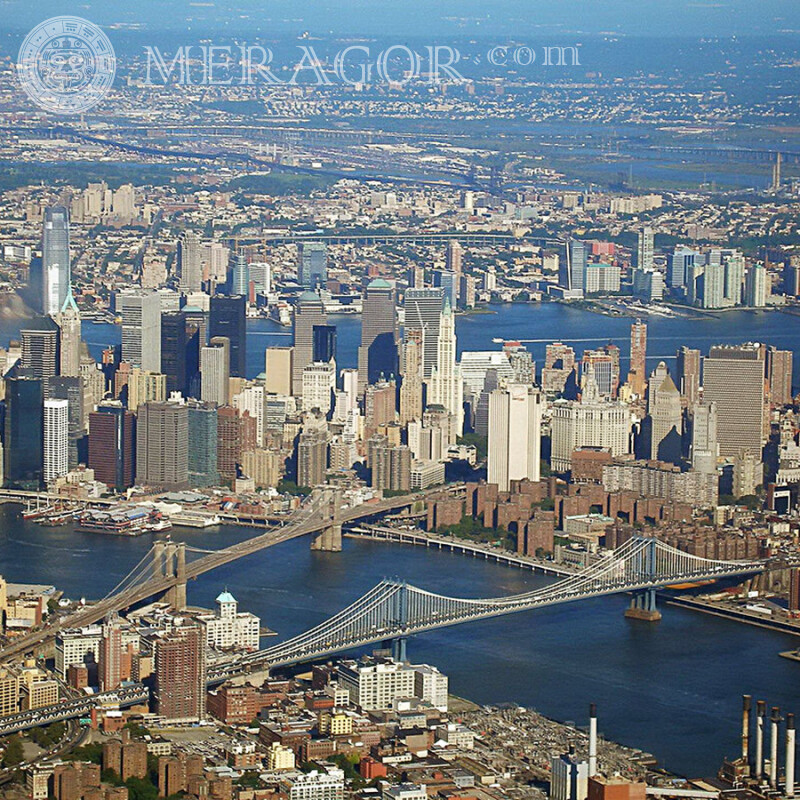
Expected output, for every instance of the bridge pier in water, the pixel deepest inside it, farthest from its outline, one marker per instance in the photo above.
(169, 560)
(329, 539)
(643, 606)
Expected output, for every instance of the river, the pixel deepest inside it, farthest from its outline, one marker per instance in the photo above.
(672, 688)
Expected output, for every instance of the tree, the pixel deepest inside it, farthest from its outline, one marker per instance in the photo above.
(14, 753)
(139, 789)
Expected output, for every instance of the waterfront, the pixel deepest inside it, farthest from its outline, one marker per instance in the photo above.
(536, 325)
(671, 688)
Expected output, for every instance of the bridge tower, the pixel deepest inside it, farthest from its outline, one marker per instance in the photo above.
(329, 539)
(169, 561)
(399, 644)
(643, 602)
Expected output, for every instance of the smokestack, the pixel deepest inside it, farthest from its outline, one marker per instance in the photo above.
(790, 755)
(761, 711)
(746, 701)
(592, 740)
(773, 748)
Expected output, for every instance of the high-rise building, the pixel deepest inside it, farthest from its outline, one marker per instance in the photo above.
(664, 409)
(41, 353)
(572, 271)
(378, 355)
(644, 250)
(454, 256)
(215, 371)
(180, 673)
(559, 368)
(190, 270)
(638, 372)
(319, 384)
(112, 438)
(312, 457)
(70, 389)
(162, 445)
(109, 666)
(423, 311)
(445, 387)
(756, 286)
(145, 387)
(251, 399)
(449, 283)
(236, 434)
(215, 258)
(22, 443)
(515, 421)
(69, 323)
(733, 378)
(779, 376)
(240, 276)
(55, 259)
(705, 447)
(228, 318)
(202, 454)
(278, 370)
(411, 387)
(688, 374)
(141, 329)
(569, 778)
(682, 258)
(174, 351)
(312, 264)
(309, 313)
(261, 277)
(55, 439)
(324, 342)
(714, 286)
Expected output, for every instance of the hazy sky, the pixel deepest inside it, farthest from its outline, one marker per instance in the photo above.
(427, 17)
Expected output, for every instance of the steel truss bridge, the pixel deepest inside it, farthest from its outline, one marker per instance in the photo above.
(394, 610)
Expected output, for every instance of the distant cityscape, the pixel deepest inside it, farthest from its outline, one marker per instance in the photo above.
(237, 317)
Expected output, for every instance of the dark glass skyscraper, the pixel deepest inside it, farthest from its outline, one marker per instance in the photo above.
(112, 442)
(70, 388)
(174, 346)
(312, 264)
(229, 319)
(378, 355)
(202, 444)
(324, 342)
(22, 443)
(41, 351)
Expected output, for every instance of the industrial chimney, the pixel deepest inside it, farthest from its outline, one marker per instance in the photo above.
(746, 702)
(592, 740)
(790, 745)
(773, 748)
(761, 712)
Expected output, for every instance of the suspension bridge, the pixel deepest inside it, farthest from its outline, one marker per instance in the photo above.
(166, 567)
(394, 610)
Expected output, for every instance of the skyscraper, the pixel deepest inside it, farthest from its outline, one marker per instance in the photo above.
(324, 343)
(69, 323)
(454, 256)
(215, 371)
(312, 457)
(515, 421)
(174, 347)
(141, 329)
(664, 409)
(55, 259)
(423, 309)
(733, 378)
(236, 434)
(705, 447)
(109, 663)
(411, 387)
(572, 274)
(189, 262)
(202, 455)
(445, 387)
(70, 388)
(644, 250)
(308, 314)
(312, 264)
(56, 439)
(41, 349)
(779, 376)
(180, 673)
(638, 372)
(162, 445)
(756, 286)
(22, 443)
(688, 374)
(112, 438)
(278, 370)
(229, 319)
(377, 355)
(682, 258)
(240, 276)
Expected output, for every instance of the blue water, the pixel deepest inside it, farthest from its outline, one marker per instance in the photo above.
(672, 688)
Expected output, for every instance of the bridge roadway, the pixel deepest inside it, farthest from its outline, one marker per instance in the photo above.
(395, 610)
(306, 520)
(78, 707)
(455, 545)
